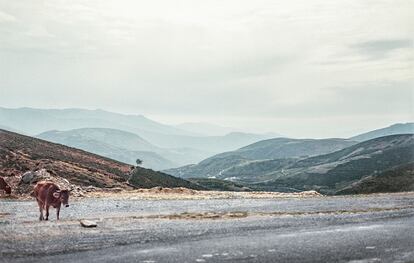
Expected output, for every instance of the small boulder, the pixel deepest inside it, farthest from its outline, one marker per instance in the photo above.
(27, 177)
(88, 223)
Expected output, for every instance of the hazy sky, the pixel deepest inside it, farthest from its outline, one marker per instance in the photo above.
(300, 68)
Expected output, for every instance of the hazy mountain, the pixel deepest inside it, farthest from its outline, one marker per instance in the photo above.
(20, 153)
(205, 129)
(399, 128)
(212, 144)
(3, 127)
(34, 121)
(280, 148)
(336, 171)
(114, 137)
(125, 147)
(116, 144)
(182, 147)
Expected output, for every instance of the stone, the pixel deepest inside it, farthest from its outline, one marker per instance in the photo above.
(88, 223)
(27, 177)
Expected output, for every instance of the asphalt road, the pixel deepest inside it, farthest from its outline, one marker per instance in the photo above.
(375, 228)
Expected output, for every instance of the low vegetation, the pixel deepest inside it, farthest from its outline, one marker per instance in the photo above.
(379, 165)
(20, 153)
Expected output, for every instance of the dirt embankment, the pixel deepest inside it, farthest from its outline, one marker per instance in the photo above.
(160, 193)
(74, 169)
(19, 154)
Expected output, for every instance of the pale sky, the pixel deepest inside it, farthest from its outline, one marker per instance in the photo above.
(300, 68)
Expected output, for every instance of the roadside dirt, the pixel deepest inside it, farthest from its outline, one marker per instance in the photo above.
(162, 193)
(159, 193)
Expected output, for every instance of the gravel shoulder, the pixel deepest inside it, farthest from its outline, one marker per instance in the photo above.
(130, 224)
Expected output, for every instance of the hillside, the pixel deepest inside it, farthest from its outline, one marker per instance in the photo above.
(399, 128)
(236, 163)
(219, 185)
(379, 165)
(397, 179)
(289, 148)
(115, 137)
(333, 172)
(19, 153)
(112, 143)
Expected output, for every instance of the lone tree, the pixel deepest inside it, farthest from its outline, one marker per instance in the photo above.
(139, 162)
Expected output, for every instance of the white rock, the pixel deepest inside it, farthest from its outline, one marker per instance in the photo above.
(88, 223)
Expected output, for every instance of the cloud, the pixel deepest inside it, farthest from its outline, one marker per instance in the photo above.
(5, 17)
(232, 59)
(378, 49)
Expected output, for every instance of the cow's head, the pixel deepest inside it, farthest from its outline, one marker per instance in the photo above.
(63, 196)
(7, 189)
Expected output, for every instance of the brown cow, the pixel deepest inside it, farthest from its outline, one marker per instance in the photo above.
(48, 194)
(4, 186)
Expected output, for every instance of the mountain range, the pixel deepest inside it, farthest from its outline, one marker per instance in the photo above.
(379, 160)
(205, 129)
(380, 164)
(398, 128)
(284, 150)
(354, 167)
(197, 149)
(160, 146)
(115, 144)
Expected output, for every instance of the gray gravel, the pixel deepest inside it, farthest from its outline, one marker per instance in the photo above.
(375, 228)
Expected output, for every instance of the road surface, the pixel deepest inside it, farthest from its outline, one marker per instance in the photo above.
(373, 228)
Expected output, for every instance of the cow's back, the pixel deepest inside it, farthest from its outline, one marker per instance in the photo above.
(44, 190)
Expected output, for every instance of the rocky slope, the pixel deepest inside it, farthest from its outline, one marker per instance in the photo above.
(19, 154)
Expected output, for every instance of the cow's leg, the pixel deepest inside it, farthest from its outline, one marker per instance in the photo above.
(57, 211)
(47, 206)
(40, 204)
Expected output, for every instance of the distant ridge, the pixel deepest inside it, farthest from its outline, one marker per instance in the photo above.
(179, 146)
(348, 170)
(34, 121)
(399, 128)
(224, 164)
(112, 143)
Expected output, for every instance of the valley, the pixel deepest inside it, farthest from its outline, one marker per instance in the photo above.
(347, 170)
(377, 161)
(271, 198)
(124, 137)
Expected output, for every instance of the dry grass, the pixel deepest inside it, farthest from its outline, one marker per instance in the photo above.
(159, 193)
